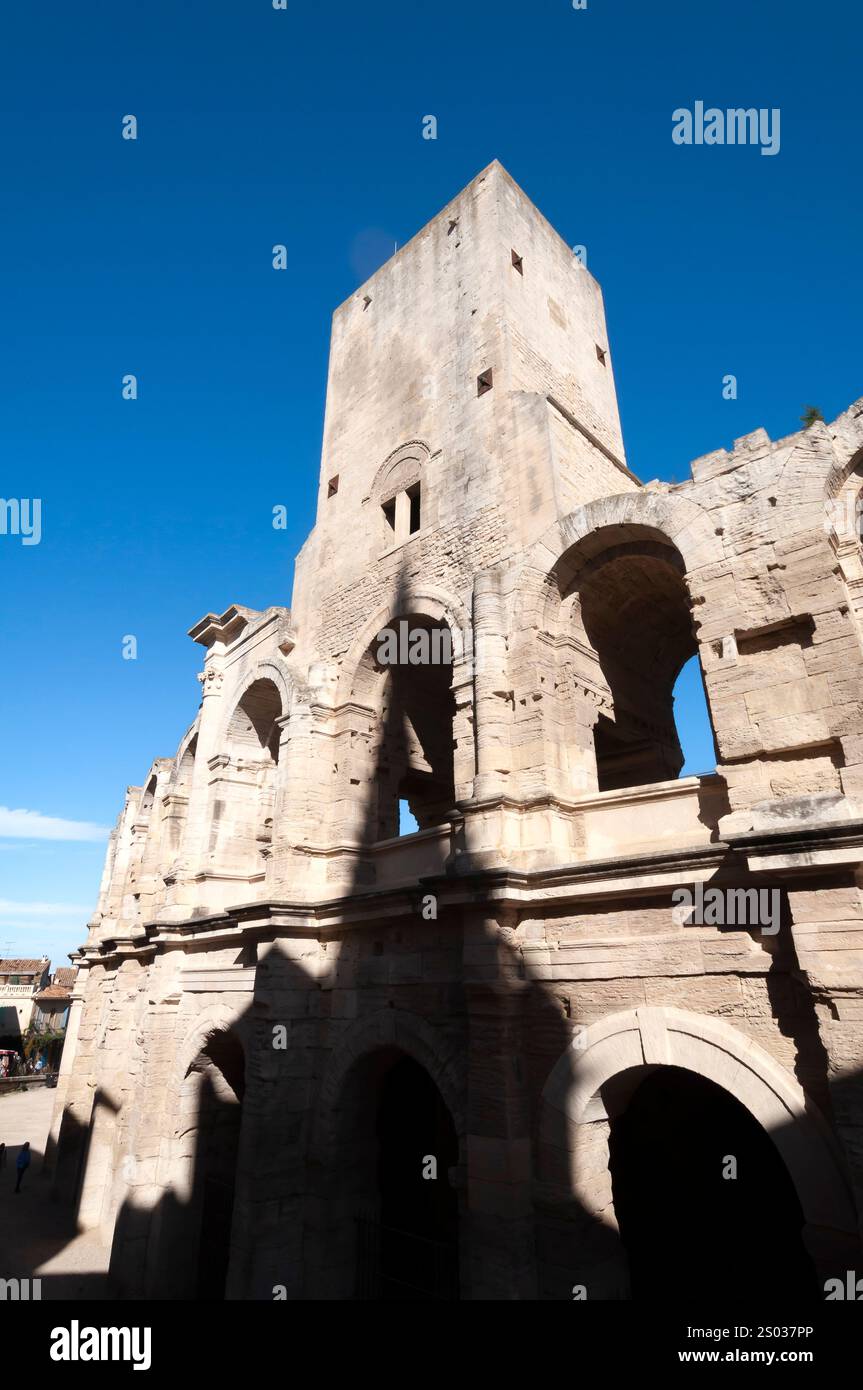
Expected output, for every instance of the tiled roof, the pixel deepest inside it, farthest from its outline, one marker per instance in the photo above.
(22, 967)
(53, 992)
(65, 975)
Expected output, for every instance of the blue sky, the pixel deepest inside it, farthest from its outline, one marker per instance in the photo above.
(303, 126)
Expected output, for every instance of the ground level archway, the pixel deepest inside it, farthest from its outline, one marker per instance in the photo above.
(590, 1089)
(387, 1223)
(194, 1216)
(704, 1204)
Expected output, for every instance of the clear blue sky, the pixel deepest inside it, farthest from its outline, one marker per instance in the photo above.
(303, 126)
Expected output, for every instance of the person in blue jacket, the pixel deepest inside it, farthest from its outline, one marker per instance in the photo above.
(22, 1163)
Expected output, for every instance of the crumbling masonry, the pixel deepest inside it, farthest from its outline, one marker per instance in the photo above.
(288, 1017)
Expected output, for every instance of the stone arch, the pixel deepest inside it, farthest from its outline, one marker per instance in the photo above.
(667, 517)
(815, 474)
(178, 790)
(181, 780)
(400, 469)
(147, 798)
(218, 1018)
(604, 621)
(261, 671)
(429, 602)
(573, 1129)
(189, 738)
(386, 1028)
(249, 774)
(173, 1251)
(843, 501)
(405, 732)
(347, 1228)
(846, 432)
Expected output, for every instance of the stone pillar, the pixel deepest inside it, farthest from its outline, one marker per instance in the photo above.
(70, 1047)
(827, 929)
(191, 859)
(403, 516)
(148, 882)
(303, 806)
(291, 823)
(500, 1244)
(492, 710)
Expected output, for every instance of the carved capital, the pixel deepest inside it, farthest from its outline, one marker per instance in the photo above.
(211, 681)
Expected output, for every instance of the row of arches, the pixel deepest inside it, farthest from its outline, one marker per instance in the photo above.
(716, 1185)
(598, 659)
(239, 786)
(405, 749)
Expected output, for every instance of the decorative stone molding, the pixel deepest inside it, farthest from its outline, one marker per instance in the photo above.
(400, 469)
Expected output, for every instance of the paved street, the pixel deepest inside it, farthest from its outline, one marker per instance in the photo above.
(38, 1240)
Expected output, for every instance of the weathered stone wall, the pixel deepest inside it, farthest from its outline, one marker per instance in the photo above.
(522, 948)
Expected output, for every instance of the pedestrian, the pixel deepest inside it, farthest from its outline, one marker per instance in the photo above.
(2, 1157)
(22, 1163)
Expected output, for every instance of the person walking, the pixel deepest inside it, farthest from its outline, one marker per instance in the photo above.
(22, 1163)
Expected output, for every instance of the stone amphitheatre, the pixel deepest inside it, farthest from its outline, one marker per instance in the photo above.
(310, 1057)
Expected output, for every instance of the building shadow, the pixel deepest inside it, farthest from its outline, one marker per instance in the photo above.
(375, 1125)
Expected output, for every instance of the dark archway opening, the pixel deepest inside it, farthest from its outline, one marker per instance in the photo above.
(415, 764)
(220, 1114)
(411, 1253)
(635, 609)
(689, 1231)
(253, 730)
(631, 621)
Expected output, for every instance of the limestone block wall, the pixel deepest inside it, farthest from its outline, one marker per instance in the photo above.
(771, 617)
(248, 891)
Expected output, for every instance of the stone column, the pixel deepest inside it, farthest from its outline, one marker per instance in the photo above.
(292, 825)
(827, 929)
(191, 859)
(492, 710)
(500, 1240)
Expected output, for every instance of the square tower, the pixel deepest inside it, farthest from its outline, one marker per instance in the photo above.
(470, 399)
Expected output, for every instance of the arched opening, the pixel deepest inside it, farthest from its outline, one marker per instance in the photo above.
(703, 1199)
(253, 732)
(692, 720)
(407, 677)
(211, 1111)
(186, 768)
(417, 1146)
(630, 634)
(393, 1190)
(176, 804)
(242, 824)
(844, 519)
(148, 796)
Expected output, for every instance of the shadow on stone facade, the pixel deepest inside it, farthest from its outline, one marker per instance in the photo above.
(305, 1139)
(511, 979)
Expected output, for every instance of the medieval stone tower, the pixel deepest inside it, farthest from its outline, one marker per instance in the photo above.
(493, 1058)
